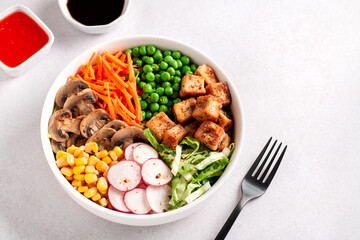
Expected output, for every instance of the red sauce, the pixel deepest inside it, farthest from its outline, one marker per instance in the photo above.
(20, 38)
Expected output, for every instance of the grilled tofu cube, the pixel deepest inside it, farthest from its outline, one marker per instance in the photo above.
(210, 134)
(183, 110)
(220, 90)
(159, 124)
(224, 143)
(207, 73)
(173, 136)
(207, 108)
(191, 128)
(192, 86)
(224, 120)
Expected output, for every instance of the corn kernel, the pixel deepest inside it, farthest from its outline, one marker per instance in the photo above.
(105, 174)
(102, 193)
(112, 163)
(103, 202)
(96, 197)
(71, 149)
(80, 161)
(79, 169)
(60, 154)
(90, 169)
(107, 159)
(62, 161)
(102, 166)
(113, 155)
(93, 160)
(83, 189)
(77, 183)
(102, 184)
(118, 151)
(84, 155)
(80, 177)
(78, 151)
(91, 147)
(91, 192)
(66, 171)
(102, 154)
(90, 178)
(71, 160)
(69, 178)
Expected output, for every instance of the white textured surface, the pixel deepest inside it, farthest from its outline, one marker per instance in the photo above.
(297, 68)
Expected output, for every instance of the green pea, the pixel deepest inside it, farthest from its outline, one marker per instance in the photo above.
(164, 65)
(144, 58)
(158, 56)
(150, 60)
(170, 103)
(168, 59)
(176, 54)
(179, 62)
(151, 49)
(136, 52)
(157, 78)
(193, 67)
(175, 95)
(148, 100)
(143, 76)
(144, 96)
(165, 76)
(143, 124)
(167, 53)
(169, 91)
(153, 85)
(171, 70)
(136, 72)
(150, 76)
(155, 67)
(138, 62)
(147, 88)
(154, 113)
(141, 84)
(177, 80)
(154, 107)
(147, 68)
(185, 60)
(185, 69)
(138, 80)
(148, 114)
(176, 87)
(142, 50)
(129, 50)
(163, 108)
(165, 85)
(189, 72)
(163, 100)
(143, 105)
(160, 91)
(143, 114)
(177, 100)
(174, 64)
(155, 97)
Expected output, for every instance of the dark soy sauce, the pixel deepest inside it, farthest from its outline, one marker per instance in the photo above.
(95, 12)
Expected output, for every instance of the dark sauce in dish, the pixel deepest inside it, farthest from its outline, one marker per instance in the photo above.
(95, 12)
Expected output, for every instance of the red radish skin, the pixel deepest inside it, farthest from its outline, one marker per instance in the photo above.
(155, 172)
(129, 151)
(158, 197)
(116, 199)
(135, 201)
(144, 152)
(124, 175)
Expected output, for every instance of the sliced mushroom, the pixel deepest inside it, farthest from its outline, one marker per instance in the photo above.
(103, 138)
(61, 123)
(57, 146)
(69, 89)
(94, 122)
(126, 136)
(76, 140)
(81, 103)
(116, 125)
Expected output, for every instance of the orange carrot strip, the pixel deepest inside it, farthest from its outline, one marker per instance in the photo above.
(132, 90)
(130, 67)
(124, 108)
(110, 73)
(111, 108)
(99, 70)
(118, 54)
(123, 58)
(115, 60)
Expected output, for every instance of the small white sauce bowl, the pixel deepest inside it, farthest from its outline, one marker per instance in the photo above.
(96, 29)
(28, 63)
(121, 44)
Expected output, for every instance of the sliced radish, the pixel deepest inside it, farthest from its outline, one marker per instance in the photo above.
(124, 175)
(135, 201)
(155, 172)
(142, 185)
(116, 199)
(144, 152)
(129, 151)
(158, 197)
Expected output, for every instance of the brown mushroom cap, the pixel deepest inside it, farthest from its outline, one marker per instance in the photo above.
(116, 125)
(94, 122)
(69, 89)
(126, 136)
(57, 146)
(103, 138)
(81, 103)
(76, 140)
(61, 123)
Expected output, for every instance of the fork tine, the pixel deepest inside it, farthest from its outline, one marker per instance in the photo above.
(257, 174)
(253, 167)
(273, 171)
(270, 163)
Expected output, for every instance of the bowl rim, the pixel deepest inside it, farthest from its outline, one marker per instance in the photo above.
(112, 214)
(39, 22)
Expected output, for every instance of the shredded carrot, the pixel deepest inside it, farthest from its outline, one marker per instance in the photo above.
(115, 60)
(118, 54)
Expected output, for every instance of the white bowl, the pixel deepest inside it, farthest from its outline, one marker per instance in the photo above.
(97, 29)
(123, 43)
(26, 65)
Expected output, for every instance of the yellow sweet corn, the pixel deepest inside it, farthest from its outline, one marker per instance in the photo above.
(66, 171)
(69, 178)
(78, 169)
(81, 161)
(93, 160)
(101, 154)
(113, 155)
(103, 202)
(78, 151)
(90, 169)
(83, 189)
(91, 192)
(71, 149)
(101, 166)
(107, 159)
(96, 197)
(83, 155)
(102, 193)
(112, 163)
(77, 183)
(80, 177)
(91, 148)
(102, 184)
(90, 178)
(60, 154)
(118, 151)
(62, 161)
(105, 173)
(71, 160)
